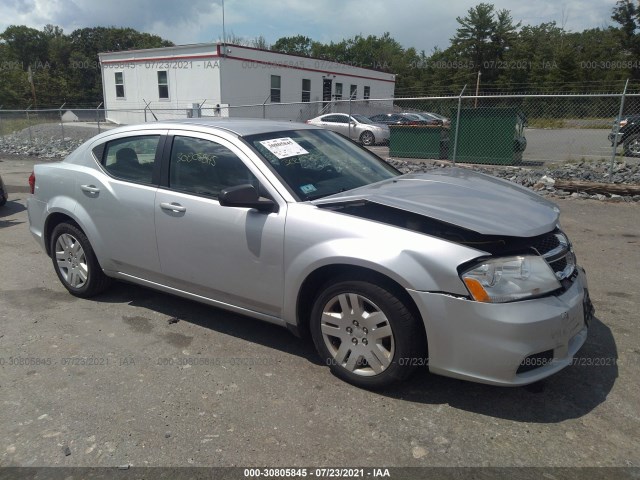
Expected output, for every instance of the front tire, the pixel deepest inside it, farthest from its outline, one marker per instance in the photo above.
(367, 138)
(75, 262)
(632, 146)
(366, 333)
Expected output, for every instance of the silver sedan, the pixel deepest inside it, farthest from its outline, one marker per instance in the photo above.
(456, 271)
(356, 127)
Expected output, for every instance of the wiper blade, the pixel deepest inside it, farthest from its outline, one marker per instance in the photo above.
(315, 197)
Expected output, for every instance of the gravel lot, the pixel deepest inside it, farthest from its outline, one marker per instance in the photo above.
(155, 380)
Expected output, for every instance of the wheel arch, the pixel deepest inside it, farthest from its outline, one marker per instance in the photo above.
(53, 220)
(311, 285)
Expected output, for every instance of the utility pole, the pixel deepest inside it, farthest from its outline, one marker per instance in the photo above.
(224, 36)
(33, 87)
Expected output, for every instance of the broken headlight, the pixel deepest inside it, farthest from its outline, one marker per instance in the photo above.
(506, 279)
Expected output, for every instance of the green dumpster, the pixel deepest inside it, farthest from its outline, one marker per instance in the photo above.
(489, 135)
(417, 141)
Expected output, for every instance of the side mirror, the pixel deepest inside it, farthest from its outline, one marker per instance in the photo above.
(246, 196)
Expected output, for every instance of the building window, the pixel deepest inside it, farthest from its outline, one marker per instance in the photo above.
(338, 94)
(367, 93)
(306, 90)
(163, 84)
(275, 88)
(119, 84)
(353, 93)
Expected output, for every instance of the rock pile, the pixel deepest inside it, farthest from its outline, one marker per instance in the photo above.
(543, 180)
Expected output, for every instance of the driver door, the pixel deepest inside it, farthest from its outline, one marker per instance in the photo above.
(232, 255)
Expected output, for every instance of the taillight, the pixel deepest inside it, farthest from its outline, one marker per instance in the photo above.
(32, 182)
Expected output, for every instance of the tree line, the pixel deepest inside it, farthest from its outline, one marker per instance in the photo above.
(489, 50)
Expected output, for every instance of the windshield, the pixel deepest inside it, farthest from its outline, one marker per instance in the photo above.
(362, 119)
(318, 163)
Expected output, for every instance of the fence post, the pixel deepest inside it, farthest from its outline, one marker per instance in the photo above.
(61, 122)
(455, 135)
(349, 116)
(264, 107)
(98, 116)
(29, 125)
(615, 137)
(1, 135)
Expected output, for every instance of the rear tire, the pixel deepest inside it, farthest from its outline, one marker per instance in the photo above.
(75, 262)
(366, 334)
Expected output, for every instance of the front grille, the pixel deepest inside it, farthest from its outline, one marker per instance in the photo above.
(546, 243)
(556, 250)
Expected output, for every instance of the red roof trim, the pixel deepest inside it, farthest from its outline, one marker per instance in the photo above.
(276, 64)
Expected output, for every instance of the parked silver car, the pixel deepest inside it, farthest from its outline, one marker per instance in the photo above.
(359, 128)
(301, 227)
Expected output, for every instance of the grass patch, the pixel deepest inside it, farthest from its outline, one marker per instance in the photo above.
(545, 123)
(591, 123)
(12, 124)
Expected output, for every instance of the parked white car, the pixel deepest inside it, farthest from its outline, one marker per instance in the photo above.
(356, 127)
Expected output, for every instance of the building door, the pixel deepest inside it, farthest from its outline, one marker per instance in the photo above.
(326, 90)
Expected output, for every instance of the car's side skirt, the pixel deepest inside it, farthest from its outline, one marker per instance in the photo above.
(198, 298)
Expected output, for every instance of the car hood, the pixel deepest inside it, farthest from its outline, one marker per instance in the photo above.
(461, 197)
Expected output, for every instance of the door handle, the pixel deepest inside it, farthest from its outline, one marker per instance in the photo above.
(174, 207)
(89, 188)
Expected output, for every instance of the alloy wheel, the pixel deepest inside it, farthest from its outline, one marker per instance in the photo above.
(71, 260)
(357, 334)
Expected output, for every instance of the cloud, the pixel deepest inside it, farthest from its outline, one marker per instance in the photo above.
(413, 23)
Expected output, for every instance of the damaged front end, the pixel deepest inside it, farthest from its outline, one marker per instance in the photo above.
(552, 247)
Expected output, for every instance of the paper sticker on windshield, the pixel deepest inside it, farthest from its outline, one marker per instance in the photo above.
(283, 147)
(308, 188)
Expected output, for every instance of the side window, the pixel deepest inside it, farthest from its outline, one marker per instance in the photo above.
(275, 88)
(131, 158)
(119, 80)
(204, 167)
(163, 84)
(335, 119)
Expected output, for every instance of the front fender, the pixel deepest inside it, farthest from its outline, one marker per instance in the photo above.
(317, 238)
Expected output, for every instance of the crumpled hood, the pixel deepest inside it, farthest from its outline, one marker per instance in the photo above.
(462, 197)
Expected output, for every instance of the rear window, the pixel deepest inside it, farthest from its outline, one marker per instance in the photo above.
(130, 158)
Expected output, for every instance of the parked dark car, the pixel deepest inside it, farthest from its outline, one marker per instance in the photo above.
(398, 119)
(628, 134)
(444, 121)
(3, 193)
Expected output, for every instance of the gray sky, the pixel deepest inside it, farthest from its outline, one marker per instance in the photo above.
(414, 23)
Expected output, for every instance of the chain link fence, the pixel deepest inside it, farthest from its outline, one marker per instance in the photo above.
(501, 129)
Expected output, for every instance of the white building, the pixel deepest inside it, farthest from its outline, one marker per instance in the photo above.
(231, 80)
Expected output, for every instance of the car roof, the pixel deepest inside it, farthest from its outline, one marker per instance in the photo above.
(239, 126)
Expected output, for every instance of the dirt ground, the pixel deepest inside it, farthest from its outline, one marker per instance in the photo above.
(135, 377)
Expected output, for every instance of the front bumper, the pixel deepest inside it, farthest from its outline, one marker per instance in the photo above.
(490, 343)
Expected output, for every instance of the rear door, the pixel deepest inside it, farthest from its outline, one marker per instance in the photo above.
(229, 254)
(116, 202)
(337, 123)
